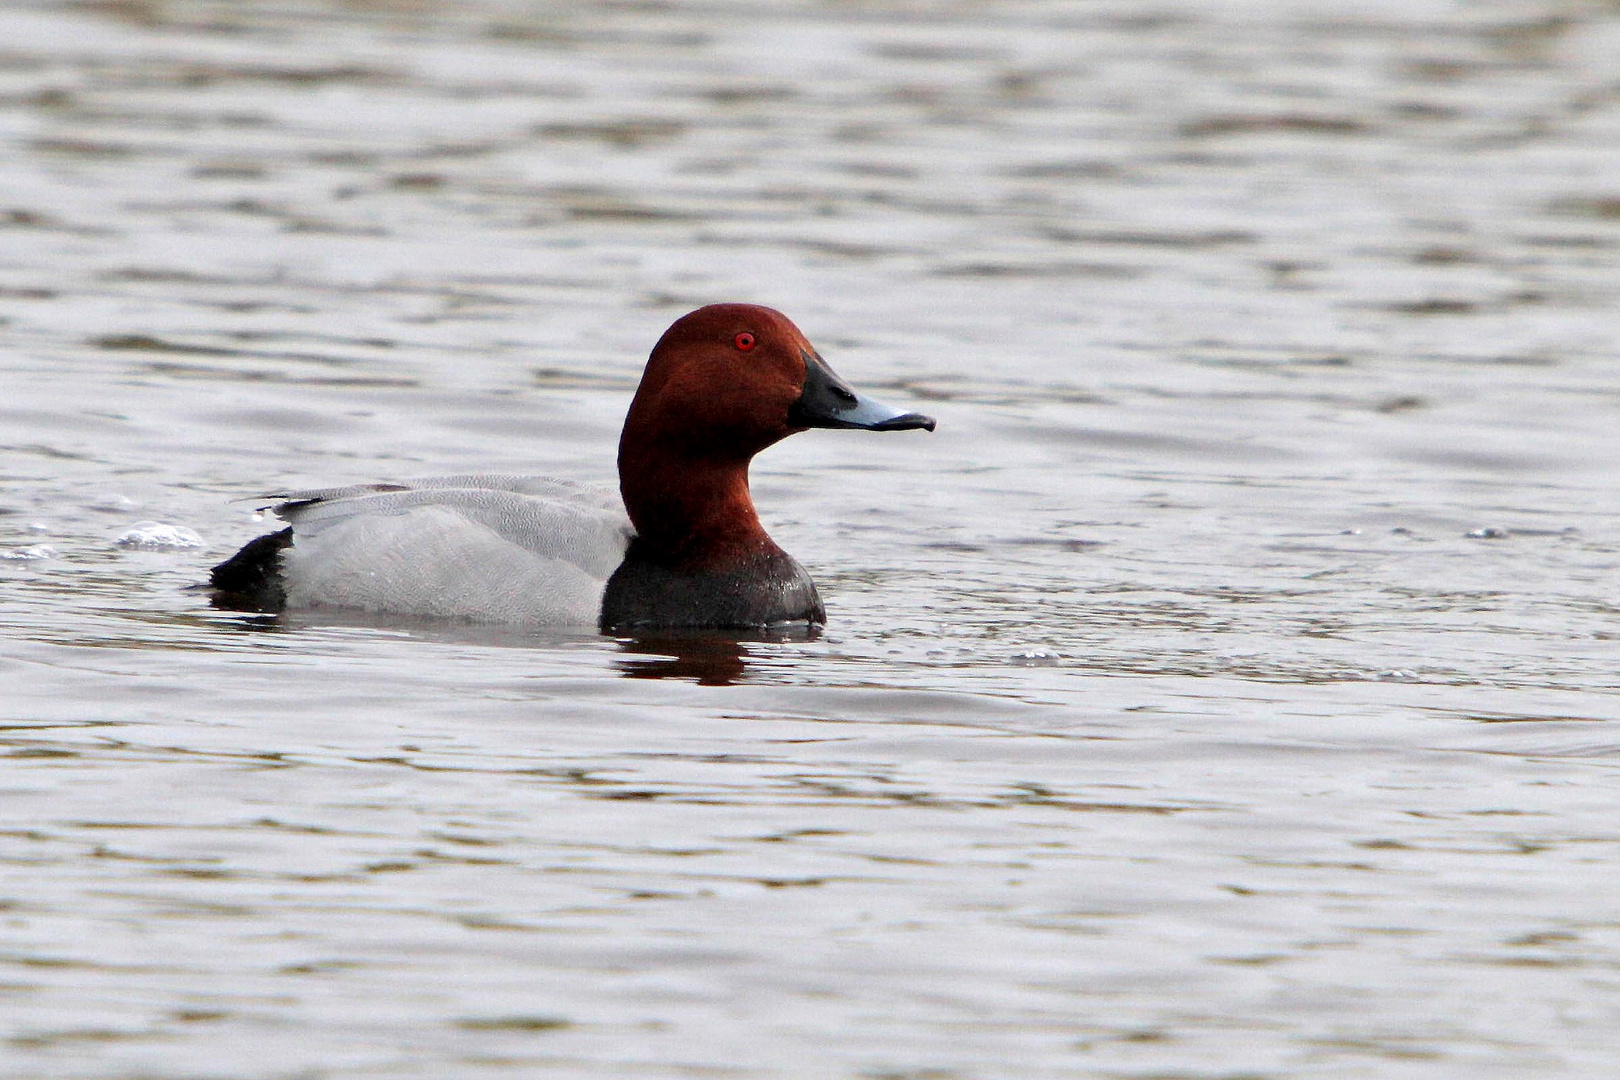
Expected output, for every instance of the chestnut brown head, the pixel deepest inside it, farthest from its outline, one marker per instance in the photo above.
(728, 380)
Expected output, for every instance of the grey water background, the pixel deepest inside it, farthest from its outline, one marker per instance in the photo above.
(1224, 690)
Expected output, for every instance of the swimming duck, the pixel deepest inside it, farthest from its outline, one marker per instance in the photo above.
(680, 546)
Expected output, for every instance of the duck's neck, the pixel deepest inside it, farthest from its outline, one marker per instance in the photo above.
(700, 557)
(691, 512)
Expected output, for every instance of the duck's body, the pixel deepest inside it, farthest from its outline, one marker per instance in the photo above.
(509, 549)
(679, 546)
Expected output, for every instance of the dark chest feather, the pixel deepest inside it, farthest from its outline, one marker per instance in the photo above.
(769, 588)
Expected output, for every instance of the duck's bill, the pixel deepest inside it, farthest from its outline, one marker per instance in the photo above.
(830, 402)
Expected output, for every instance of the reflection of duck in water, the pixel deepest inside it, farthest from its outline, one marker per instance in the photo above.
(684, 548)
(709, 659)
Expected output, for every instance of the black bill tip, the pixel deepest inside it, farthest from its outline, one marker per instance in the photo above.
(905, 422)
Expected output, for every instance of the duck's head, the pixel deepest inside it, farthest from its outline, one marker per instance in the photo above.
(728, 380)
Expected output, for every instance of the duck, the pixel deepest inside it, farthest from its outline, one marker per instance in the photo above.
(679, 546)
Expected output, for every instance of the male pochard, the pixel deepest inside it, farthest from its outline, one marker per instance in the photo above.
(684, 547)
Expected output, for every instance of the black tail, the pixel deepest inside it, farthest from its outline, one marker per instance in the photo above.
(251, 580)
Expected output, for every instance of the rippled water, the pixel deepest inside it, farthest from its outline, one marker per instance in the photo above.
(1221, 692)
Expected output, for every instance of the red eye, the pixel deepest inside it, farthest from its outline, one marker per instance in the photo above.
(744, 341)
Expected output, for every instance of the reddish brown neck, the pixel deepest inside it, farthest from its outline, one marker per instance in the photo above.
(691, 513)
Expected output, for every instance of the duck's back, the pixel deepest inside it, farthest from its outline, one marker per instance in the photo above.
(511, 549)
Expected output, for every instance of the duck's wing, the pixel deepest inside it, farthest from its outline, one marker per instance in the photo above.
(545, 487)
(491, 548)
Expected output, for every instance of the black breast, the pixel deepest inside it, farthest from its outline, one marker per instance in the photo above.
(769, 589)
